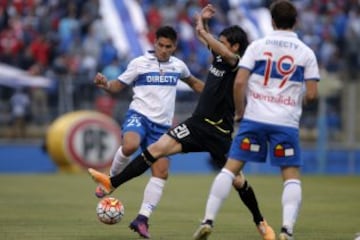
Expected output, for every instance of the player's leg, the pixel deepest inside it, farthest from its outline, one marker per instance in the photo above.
(165, 146)
(130, 143)
(285, 152)
(250, 145)
(248, 197)
(291, 201)
(152, 195)
(133, 130)
(245, 191)
(219, 191)
(218, 194)
(135, 168)
(154, 189)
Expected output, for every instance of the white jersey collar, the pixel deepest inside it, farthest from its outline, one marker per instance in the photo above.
(284, 33)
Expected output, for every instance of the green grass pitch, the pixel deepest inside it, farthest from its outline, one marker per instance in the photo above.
(62, 207)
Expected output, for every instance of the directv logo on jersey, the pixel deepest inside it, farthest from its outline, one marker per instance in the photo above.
(216, 71)
(171, 80)
(282, 44)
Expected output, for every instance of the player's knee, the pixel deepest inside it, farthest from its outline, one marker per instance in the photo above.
(129, 149)
(160, 173)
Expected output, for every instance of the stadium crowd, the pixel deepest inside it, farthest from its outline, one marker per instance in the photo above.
(64, 41)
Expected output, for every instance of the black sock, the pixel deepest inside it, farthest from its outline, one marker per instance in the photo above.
(135, 168)
(208, 221)
(284, 230)
(248, 197)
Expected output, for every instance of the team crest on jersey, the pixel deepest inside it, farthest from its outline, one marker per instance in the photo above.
(284, 150)
(218, 58)
(250, 144)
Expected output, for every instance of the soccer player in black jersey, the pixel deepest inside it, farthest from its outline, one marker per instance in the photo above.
(209, 129)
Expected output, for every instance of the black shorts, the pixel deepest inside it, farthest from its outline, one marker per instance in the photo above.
(196, 135)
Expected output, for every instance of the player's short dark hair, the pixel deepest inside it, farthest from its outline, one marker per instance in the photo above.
(235, 34)
(283, 13)
(166, 32)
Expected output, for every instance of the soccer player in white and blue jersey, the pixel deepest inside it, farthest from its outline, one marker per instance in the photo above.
(153, 78)
(277, 75)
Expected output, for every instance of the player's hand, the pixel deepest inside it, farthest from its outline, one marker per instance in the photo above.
(237, 119)
(207, 12)
(101, 81)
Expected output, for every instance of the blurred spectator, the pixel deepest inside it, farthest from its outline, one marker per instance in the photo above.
(108, 53)
(27, 59)
(154, 17)
(92, 44)
(39, 98)
(353, 43)
(10, 46)
(114, 69)
(69, 27)
(340, 22)
(19, 111)
(40, 49)
(328, 52)
(105, 104)
(169, 12)
(186, 42)
(3, 16)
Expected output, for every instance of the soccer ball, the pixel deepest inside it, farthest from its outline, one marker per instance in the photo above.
(357, 236)
(110, 210)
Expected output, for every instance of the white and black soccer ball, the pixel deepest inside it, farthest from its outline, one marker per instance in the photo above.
(110, 210)
(357, 236)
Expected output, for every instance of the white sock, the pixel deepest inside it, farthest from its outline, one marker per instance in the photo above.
(291, 202)
(219, 191)
(119, 162)
(152, 194)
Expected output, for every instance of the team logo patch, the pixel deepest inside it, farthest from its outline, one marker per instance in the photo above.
(284, 150)
(250, 145)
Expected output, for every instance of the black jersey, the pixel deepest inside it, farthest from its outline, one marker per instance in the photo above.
(216, 103)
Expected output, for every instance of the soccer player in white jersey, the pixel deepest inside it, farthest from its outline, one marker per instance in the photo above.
(277, 75)
(153, 78)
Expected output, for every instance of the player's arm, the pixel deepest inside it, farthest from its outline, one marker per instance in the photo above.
(112, 86)
(194, 83)
(205, 36)
(240, 85)
(311, 94)
(206, 13)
